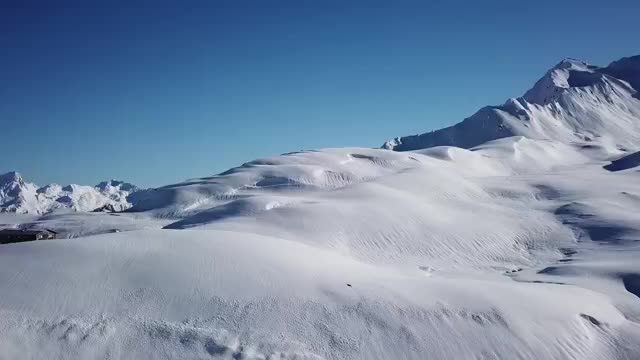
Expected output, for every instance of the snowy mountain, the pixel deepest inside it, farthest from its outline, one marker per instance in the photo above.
(574, 102)
(520, 247)
(19, 196)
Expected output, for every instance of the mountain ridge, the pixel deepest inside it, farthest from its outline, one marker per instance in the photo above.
(573, 102)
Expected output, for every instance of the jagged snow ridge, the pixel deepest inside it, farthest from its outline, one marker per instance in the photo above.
(19, 196)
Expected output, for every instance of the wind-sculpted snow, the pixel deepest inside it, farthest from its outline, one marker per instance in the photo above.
(404, 216)
(572, 102)
(219, 294)
(288, 173)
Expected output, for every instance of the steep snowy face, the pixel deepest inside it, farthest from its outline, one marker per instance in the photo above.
(627, 69)
(19, 196)
(574, 102)
(15, 193)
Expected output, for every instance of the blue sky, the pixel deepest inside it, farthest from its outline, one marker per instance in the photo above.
(155, 92)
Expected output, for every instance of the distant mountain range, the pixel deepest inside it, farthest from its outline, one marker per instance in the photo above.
(17, 195)
(574, 102)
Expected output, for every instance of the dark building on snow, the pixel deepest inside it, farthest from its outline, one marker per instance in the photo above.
(8, 236)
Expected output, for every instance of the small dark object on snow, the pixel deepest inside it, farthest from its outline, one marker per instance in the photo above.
(349, 285)
(105, 208)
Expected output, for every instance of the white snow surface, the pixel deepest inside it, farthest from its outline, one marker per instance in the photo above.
(516, 248)
(19, 196)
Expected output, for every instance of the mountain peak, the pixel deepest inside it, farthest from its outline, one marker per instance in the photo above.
(568, 73)
(116, 185)
(571, 63)
(12, 177)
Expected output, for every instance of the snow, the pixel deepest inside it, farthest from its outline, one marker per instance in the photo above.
(157, 298)
(518, 247)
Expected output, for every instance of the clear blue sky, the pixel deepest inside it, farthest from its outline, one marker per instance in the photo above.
(154, 93)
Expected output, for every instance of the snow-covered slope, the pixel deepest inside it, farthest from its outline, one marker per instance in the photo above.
(19, 196)
(498, 250)
(372, 207)
(572, 102)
